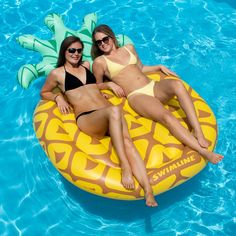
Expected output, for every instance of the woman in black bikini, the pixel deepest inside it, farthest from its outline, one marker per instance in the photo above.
(95, 115)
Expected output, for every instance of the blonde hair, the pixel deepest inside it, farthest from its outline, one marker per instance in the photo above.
(105, 29)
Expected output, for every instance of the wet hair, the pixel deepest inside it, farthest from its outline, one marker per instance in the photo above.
(64, 46)
(105, 29)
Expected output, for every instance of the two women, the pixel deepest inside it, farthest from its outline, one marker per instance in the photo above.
(95, 115)
(123, 66)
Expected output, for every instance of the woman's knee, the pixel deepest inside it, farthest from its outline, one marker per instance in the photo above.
(128, 142)
(177, 86)
(166, 118)
(115, 112)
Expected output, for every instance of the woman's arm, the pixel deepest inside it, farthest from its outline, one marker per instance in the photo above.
(146, 68)
(99, 72)
(48, 87)
(165, 70)
(47, 93)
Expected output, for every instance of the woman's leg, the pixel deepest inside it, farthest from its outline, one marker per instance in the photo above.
(109, 119)
(138, 167)
(152, 108)
(166, 89)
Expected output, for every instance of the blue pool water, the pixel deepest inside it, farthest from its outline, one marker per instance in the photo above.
(196, 39)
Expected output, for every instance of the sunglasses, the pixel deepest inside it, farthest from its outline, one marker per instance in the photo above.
(103, 40)
(73, 50)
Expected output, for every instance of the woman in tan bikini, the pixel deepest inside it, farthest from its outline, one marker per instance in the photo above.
(123, 66)
(94, 114)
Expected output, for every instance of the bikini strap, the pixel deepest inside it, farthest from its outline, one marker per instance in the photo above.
(106, 59)
(127, 49)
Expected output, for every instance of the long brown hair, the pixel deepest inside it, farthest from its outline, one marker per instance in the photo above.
(64, 46)
(105, 29)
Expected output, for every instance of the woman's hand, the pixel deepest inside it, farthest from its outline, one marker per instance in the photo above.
(166, 71)
(119, 92)
(63, 105)
(105, 95)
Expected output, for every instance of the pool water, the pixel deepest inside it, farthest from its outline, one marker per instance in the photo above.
(196, 39)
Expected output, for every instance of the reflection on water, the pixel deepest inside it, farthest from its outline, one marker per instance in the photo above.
(194, 38)
(232, 3)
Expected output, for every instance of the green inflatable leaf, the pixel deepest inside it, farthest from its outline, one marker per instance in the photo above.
(49, 49)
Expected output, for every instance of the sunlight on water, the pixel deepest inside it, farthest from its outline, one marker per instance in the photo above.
(196, 39)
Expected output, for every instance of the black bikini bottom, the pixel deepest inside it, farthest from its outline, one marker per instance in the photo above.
(84, 113)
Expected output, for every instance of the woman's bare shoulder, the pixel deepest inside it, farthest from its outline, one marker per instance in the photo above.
(130, 46)
(99, 61)
(56, 73)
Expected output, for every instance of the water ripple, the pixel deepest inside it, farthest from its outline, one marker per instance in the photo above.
(197, 40)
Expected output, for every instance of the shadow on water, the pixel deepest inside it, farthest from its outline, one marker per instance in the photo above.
(129, 211)
(232, 3)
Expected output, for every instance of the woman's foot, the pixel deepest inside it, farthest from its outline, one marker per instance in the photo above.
(150, 200)
(127, 179)
(151, 181)
(202, 140)
(212, 157)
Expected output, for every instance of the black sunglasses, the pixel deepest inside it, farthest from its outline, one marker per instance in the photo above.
(73, 50)
(104, 40)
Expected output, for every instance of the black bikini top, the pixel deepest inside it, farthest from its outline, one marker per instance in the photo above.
(72, 82)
